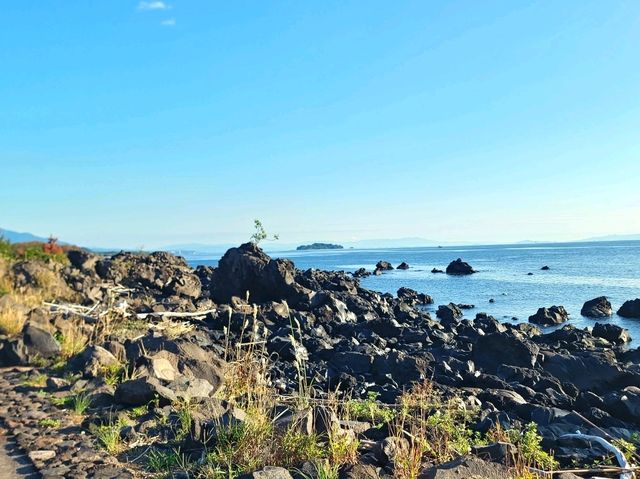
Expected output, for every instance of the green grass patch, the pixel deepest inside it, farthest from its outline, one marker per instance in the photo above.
(50, 423)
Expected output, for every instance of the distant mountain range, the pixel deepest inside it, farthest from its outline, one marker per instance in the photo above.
(630, 237)
(17, 237)
(189, 249)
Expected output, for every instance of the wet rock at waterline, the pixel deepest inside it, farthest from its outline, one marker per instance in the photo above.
(459, 267)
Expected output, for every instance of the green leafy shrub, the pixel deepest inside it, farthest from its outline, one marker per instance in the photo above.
(260, 234)
(6, 249)
(370, 410)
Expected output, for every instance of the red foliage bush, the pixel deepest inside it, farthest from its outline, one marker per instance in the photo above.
(52, 246)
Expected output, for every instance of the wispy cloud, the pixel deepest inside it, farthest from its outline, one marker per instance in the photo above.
(153, 5)
(170, 22)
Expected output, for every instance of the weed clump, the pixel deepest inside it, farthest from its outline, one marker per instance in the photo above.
(108, 436)
(370, 410)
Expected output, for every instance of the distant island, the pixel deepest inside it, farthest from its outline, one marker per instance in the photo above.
(319, 246)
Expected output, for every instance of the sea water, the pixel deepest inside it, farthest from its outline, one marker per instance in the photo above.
(578, 272)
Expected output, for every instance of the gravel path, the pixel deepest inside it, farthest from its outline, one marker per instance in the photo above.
(13, 463)
(64, 451)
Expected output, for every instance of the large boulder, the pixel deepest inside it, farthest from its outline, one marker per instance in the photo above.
(612, 333)
(549, 316)
(412, 297)
(183, 358)
(248, 270)
(599, 307)
(40, 342)
(268, 472)
(33, 273)
(449, 312)
(589, 371)
(384, 266)
(13, 352)
(93, 360)
(630, 309)
(82, 260)
(495, 349)
(468, 467)
(159, 273)
(459, 267)
(135, 392)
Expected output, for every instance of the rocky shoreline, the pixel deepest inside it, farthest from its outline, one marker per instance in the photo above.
(166, 357)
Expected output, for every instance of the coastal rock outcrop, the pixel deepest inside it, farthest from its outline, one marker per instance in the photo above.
(403, 265)
(630, 309)
(599, 307)
(412, 297)
(248, 271)
(612, 333)
(161, 274)
(549, 316)
(384, 266)
(361, 273)
(493, 350)
(449, 312)
(354, 343)
(459, 267)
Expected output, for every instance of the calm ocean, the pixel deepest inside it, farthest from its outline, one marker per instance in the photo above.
(578, 272)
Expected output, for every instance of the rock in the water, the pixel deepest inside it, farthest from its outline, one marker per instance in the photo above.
(413, 297)
(403, 265)
(436, 270)
(612, 333)
(549, 316)
(599, 307)
(630, 309)
(459, 267)
(545, 268)
(449, 312)
(361, 273)
(384, 266)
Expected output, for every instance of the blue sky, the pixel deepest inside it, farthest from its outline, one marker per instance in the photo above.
(125, 123)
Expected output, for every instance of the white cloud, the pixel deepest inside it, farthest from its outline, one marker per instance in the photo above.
(170, 22)
(153, 5)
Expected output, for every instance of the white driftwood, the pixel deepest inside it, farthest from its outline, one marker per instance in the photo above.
(172, 314)
(622, 461)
